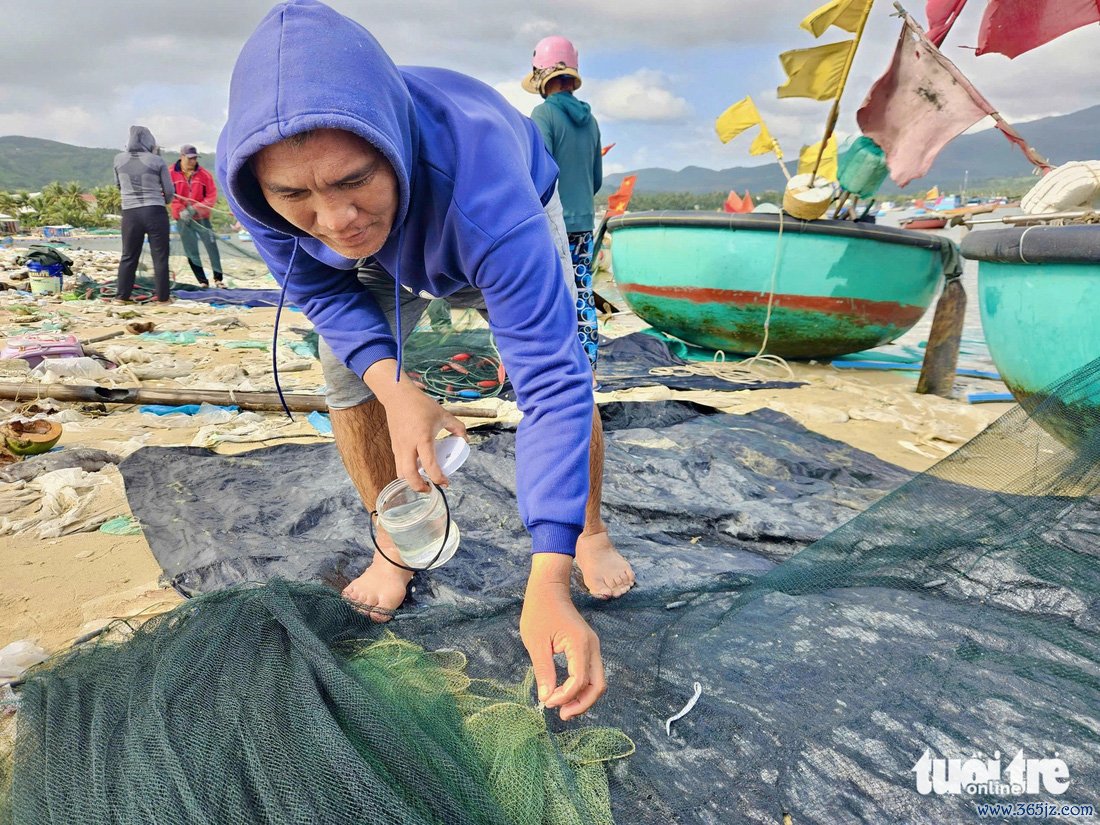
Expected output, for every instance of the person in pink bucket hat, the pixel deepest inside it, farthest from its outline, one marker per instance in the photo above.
(572, 136)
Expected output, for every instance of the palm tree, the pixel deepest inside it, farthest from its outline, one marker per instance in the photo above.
(108, 199)
(9, 204)
(52, 190)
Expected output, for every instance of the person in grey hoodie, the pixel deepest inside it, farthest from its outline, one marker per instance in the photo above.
(146, 186)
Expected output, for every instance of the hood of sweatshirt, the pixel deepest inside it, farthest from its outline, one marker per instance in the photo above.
(308, 67)
(141, 140)
(579, 111)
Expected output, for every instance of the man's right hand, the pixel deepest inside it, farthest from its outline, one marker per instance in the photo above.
(414, 421)
(550, 624)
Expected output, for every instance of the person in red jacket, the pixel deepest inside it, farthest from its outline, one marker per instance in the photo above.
(196, 193)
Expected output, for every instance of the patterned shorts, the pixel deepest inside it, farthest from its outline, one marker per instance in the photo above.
(580, 248)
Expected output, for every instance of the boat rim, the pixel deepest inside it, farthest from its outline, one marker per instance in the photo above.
(768, 222)
(1073, 244)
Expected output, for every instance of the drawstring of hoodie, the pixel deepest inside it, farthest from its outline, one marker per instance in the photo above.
(397, 301)
(279, 313)
(275, 332)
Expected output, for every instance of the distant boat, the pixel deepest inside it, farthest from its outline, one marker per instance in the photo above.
(840, 286)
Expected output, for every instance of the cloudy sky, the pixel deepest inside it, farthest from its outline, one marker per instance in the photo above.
(656, 72)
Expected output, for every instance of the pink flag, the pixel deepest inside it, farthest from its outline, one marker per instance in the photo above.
(919, 106)
(1012, 27)
(942, 15)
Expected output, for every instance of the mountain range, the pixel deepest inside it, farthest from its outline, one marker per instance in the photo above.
(30, 163)
(974, 158)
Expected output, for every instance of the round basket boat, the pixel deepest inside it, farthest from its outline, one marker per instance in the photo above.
(839, 286)
(1039, 290)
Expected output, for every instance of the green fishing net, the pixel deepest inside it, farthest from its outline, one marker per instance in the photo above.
(282, 704)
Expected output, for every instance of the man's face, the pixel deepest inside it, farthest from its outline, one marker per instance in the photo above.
(188, 164)
(334, 186)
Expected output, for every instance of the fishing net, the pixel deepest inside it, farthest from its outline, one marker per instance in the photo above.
(454, 362)
(192, 247)
(237, 258)
(282, 704)
(957, 617)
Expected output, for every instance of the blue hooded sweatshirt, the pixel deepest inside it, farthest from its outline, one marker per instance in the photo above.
(473, 176)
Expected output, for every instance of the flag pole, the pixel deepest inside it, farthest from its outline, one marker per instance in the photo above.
(779, 158)
(1003, 126)
(834, 113)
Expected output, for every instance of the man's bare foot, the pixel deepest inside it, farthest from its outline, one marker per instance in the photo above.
(607, 575)
(380, 590)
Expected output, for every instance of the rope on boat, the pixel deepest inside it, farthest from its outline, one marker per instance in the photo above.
(754, 368)
(760, 357)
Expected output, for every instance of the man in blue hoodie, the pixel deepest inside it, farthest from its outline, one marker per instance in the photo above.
(370, 190)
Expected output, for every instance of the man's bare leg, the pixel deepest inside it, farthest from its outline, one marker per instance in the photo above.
(363, 439)
(607, 575)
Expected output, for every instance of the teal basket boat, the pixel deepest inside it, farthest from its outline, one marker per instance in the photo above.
(1039, 293)
(840, 287)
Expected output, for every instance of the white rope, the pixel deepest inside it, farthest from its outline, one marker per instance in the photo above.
(1021, 252)
(753, 368)
(687, 709)
(771, 300)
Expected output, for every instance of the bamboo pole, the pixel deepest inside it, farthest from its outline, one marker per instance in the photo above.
(259, 401)
(834, 113)
(778, 151)
(1039, 218)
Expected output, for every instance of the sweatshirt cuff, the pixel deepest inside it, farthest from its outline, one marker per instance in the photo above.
(362, 358)
(551, 537)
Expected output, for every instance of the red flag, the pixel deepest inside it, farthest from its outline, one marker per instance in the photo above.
(1012, 27)
(616, 203)
(735, 203)
(607, 149)
(919, 106)
(942, 15)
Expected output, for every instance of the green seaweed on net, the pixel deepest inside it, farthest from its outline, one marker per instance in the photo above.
(283, 704)
(538, 777)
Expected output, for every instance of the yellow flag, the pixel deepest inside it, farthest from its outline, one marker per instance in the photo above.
(933, 193)
(808, 156)
(765, 143)
(814, 73)
(737, 118)
(844, 14)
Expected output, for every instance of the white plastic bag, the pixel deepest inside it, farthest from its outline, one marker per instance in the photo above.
(18, 656)
(59, 370)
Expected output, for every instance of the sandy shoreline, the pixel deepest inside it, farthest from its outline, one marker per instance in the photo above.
(53, 589)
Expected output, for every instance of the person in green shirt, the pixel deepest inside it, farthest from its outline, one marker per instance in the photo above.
(572, 136)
